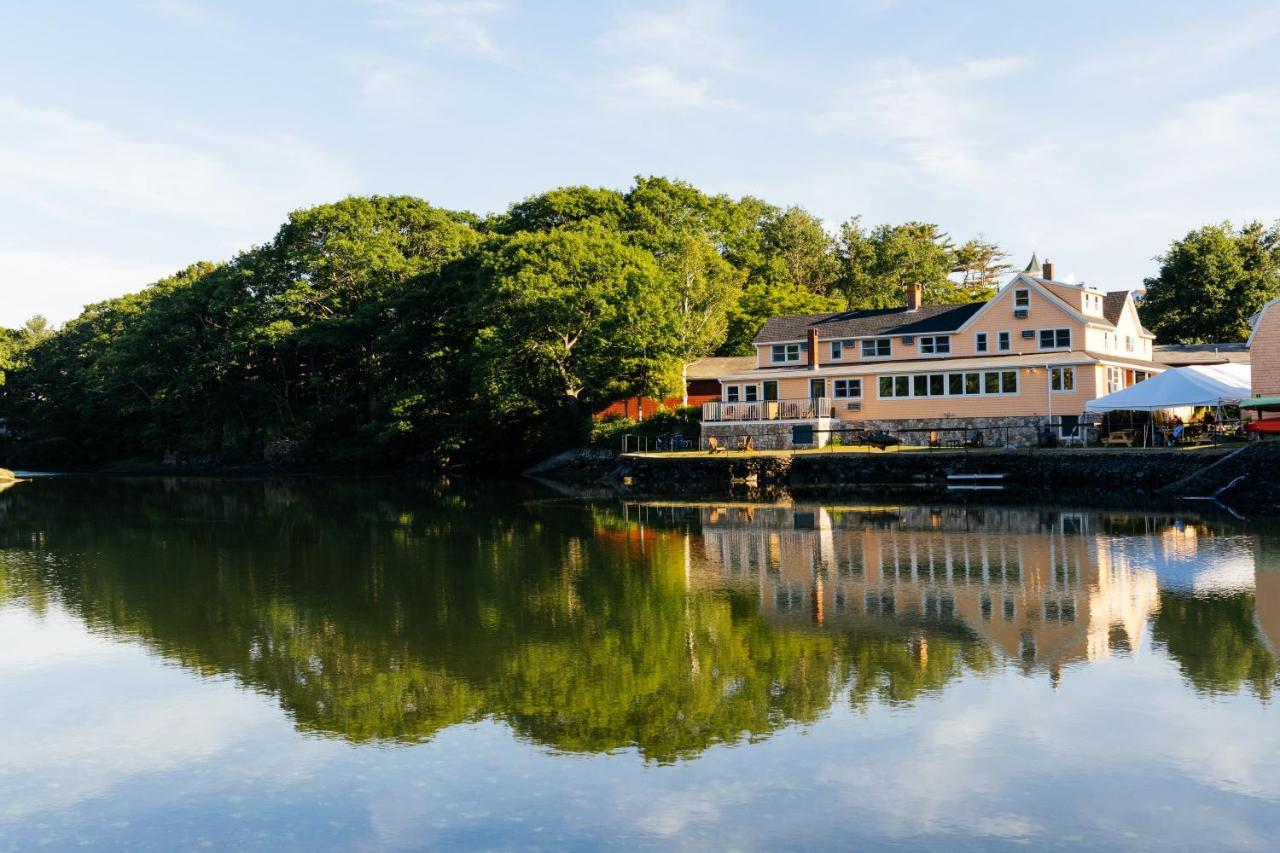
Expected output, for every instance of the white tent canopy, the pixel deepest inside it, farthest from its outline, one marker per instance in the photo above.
(1198, 385)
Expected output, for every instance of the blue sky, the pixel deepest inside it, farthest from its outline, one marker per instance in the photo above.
(136, 137)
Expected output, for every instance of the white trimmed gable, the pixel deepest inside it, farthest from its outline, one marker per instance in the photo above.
(1019, 282)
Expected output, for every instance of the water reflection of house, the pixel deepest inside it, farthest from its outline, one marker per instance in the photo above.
(1266, 611)
(1037, 585)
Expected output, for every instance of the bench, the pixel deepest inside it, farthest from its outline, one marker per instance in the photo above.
(1118, 437)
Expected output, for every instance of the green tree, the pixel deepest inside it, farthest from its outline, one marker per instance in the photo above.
(574, 316)
(981, 265)
(1211, 282)
(703, 287)
(804, 251)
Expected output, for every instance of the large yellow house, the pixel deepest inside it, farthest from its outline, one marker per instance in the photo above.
(1037, 352)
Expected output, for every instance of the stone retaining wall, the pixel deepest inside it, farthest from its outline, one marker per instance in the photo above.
(1046, 474)
(1020, 431)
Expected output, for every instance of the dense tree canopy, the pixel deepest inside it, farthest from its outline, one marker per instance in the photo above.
(1211, 282)
(386, 329)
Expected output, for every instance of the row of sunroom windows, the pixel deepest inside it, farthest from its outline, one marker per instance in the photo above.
(1048, 339)
(923, 385)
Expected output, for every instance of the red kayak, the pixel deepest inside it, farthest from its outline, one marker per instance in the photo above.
(1266, 426)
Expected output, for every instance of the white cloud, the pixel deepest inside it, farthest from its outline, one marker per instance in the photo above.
(59, 284)
(461, 25)
(690, 33)
(94, 187)
(942, 117)
(672, 56)
(662, 86)
(75, 166)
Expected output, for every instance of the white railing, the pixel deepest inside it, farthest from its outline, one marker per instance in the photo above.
(768, 410)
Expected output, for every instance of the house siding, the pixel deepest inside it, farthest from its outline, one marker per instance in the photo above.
(1264, 353)
(1092, 339)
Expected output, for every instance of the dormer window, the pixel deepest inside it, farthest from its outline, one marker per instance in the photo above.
(876, 348)
(935, 345)
(786, 353)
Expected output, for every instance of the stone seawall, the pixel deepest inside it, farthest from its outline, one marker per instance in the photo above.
(1041, 473)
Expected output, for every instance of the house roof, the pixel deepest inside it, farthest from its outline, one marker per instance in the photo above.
(1182, 355)
(716, 366)
(861, 324)
(941, 365)
(1113, 305)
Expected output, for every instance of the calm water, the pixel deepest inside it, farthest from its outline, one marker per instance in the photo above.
(356, 665)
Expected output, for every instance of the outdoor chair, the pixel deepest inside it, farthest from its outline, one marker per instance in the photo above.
(714, 446)
(744, 444)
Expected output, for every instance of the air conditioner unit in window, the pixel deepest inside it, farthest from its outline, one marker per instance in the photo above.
(1028, 333)
(854, 407)
(1020, 313)
(908, 339)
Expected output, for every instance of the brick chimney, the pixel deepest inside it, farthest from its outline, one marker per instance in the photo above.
(1047, 270)
(915, 295)
(813, 349)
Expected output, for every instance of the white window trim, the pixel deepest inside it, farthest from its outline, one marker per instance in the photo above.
(773, 353)
(981, 342)
(911, 387)
(837, 350)
(862, 348)
(1062, 370)
(848, 382)
(933, 345)
(1055, 330)
(1008, 347)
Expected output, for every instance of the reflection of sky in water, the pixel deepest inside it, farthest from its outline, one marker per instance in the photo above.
(107, 740)
(142, 754)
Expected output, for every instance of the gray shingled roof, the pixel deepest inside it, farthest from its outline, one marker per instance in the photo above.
(856, 324)
(1113, 305)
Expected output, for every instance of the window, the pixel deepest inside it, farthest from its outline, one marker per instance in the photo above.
(1003, 343)
(980, 342)
(783, 353)
(876, 348)
(1022, 299)
(1128, 343)
(990, 382)
(1062, 379)
(846, 388)
(1055, 339)
(750, 393)
(731, 393)
(1115, 379)
(935, 345)
(837, 350)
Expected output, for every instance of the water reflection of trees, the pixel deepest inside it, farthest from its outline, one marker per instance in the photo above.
(1216, 642)
(389, 611)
